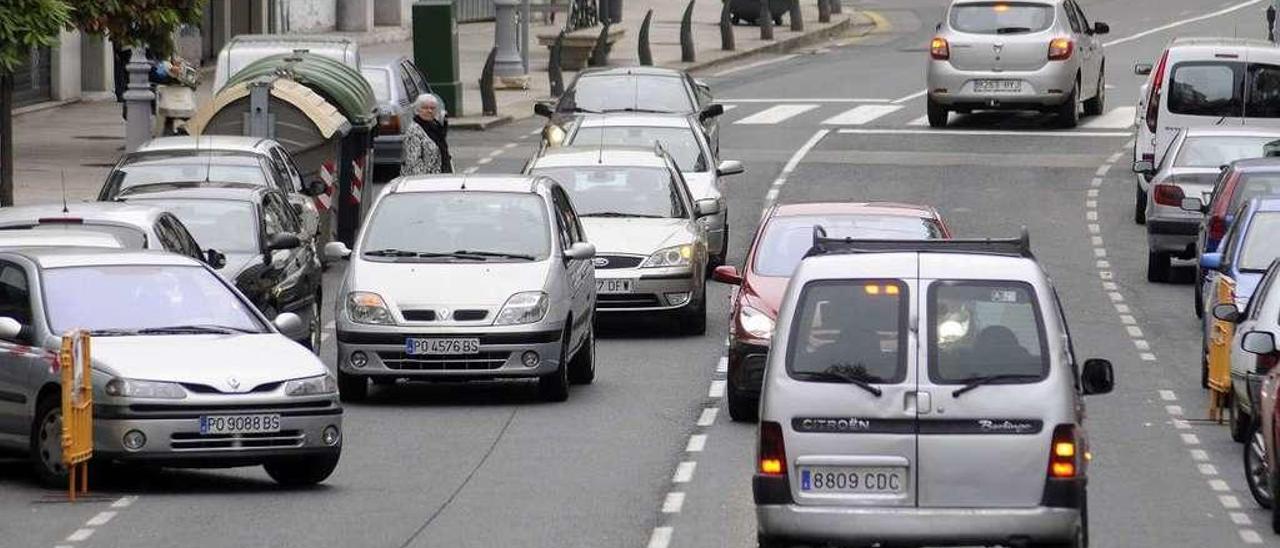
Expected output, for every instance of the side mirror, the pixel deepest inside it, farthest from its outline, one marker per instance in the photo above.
(215, 259)
(283, 240)
(1101, 28)
(730, 167)
(315, 188)
(1098, 377)
(1142, 69)
(727, 274)
(580, 251)
(335, 251)
(1211, 261)
(1258, 342)
(707, 207)
(1227, 312)
(10, 329)
(712, 111)
(543, 109)
(1145, 167)
(1191, 203)
(290, 325)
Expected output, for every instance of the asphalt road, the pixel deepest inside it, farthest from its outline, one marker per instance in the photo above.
(640, 458)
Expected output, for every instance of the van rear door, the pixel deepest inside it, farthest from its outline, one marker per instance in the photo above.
(1228, 90)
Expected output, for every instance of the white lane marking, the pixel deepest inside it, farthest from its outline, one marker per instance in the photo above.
(1175, 410)
(510, 146)
(1103, 264)
(791, 166)
(1180, 23)
(470, 170)
(1116, 118)
(861, 115)
(728, 108)
(1142, 344)
(919, 122)
(1229, 502)
(1116, 296)
(1249, 536)
(1219, 486)
(1093, 193)
(484, 160)
(1134, 331)
(708, 416)
(906, 98)
(982, 133)
(1128, 320)
(535, 132)
(1114, 157)
(1181, 424)
(684, 472)
(673, 504)
(1207, 469)
(1240, 518)
(661, 537)
(1190, 439)
(1091, 215)
(1122, 308)
(1103, 169)
(80, 535)
(783, 101)
(1105, 274)
(124, 502)
(723, 365)
(1147, 357)
(1100, 252)
(1199, 455)
(1091, 204)
(717, 390)
(101, 519)
(775, 114)
(697, 443)
(756, 64)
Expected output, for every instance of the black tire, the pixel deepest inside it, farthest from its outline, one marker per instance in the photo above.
(1158, 266)
(582, 368)
(352, 388)
(1199, 294)
(693, 318)
(1240, 422)
(1274, 480)
(1204, 365)
(1140, 206)
(46, 443)
(1096, 105)
(1068, 114)
(554, 386)
(765, 541)
(302, 471)
(315, 334)
(742, 408)
(1256, 472)
(937, 114)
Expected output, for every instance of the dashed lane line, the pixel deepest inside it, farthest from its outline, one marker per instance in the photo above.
(772, 195)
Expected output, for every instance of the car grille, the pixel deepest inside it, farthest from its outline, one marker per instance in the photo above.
(419, 315)
(194, 441)
(206, 389)
(445, 362)
(283, 408)
(616, 261)
(465, 315)
(469, 315)
(605, 302)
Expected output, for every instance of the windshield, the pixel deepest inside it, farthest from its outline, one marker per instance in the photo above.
(858, 326)
(129, 237)
(617, 191)
(978, 329)
(1260, 245)
(605, 93)
(1214, 151)
(1001, 18)
(380, 81)
(228, 226)
(141, 297)
(787, 239)
(680, 142)
(187, 165)
(446, 222)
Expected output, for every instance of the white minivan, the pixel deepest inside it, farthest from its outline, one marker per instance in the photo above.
(1202, 82)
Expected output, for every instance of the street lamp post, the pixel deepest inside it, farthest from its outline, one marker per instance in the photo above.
(138, 100)
(508, 65)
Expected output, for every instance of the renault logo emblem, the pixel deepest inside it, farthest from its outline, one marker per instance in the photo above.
(600, 262)
(443, 313)
(233, 382)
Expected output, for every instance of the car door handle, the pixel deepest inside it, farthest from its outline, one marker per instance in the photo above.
(917, 403)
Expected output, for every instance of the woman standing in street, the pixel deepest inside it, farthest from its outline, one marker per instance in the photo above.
(421, 155)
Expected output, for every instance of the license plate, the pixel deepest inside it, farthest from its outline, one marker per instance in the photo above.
(613, 286)
(418, 347)
(997, 86)
(239, 424)
(860, 480)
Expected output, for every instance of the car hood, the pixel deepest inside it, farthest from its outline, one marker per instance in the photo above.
(701, 185)
(766, 293)
(637, 236)
(470, 284)
(211, 360)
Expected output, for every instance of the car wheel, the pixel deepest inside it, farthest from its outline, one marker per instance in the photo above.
(352, 388)
(1158, 265)
(1256, 471)
(1140, 206)
(315, 334)
(1095, 106)
(554, 386)
(693, 318)
(302, 471)
(1240, 423)
(1069, 112)
(742, 408)
(1199, 294)
(46, 443)
(937, 114)
(1273, 480)
(582, 369)
(1204, 365)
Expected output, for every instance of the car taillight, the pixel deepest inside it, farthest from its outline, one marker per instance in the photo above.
(1153, 97)
(1060, 49)
(772, 450)
(1217, 227)
(1064, 454)
(939, 49)
(1167, 194)
(389, 124)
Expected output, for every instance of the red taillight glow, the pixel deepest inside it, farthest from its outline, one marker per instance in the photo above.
(1060, 49)
(1217, 227)
(1167, 194)
(1153, 94)
(1063, 462)
(1267, 361)
(773, 453)
(939, 49)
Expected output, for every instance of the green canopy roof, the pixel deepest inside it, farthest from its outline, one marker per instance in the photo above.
(342, 85)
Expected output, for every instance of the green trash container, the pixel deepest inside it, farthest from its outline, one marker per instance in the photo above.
(435, 50)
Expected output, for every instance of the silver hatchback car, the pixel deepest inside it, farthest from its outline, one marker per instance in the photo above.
(468, 277)
(1017, 55)
(923, 393)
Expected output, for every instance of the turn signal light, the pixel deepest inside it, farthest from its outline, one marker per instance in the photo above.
(1060, 49)
(772, 449)
(770, 466)
(939, 49)
(880, 289)
(1064, 470)
(1064, 449)
(1062, 458)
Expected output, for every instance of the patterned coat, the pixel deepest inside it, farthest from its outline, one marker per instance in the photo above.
(420, 155)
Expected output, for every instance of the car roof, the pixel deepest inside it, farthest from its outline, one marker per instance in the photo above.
(631, 71)
(854, 208)
(205, 142)
(56, 257)
(1219, 42)
(1264, 205)
(1257, 164)
(664, 119)
(77, 238)
(1237, 131)
(957, 265)
(476, 183)
(89, 211)
(604, 156)
(242, 192)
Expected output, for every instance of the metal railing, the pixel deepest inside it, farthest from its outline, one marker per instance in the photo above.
(470, 11)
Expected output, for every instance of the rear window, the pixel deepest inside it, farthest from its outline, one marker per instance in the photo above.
(1001, 17)
(1217, 150)
(129, 237)
(983, 328)
(1217, 88)
(787, 239)
(619, 92)
(850, 328)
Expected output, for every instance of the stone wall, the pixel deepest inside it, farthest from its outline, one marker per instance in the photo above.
(311, 15)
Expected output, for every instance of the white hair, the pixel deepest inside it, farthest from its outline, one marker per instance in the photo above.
(424, 100)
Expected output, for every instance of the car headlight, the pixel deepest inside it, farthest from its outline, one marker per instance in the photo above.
(313, 386)
(756, 323)
(129, 388)
(364, 307)
(521, 308)
(680, 255)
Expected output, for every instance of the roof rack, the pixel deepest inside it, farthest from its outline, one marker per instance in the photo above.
(1013, 247)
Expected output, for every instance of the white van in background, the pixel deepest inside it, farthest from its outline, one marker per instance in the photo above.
(1201, 82)
(247, 48)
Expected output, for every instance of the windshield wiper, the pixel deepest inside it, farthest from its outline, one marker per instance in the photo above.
(586, 110)
(619, 214)
(193, 329)
(1012, 30)
(467, 254)
(842, 373)
(974, 382)
(400, 253)
(112, 332)
(640, 110)
(391, 253)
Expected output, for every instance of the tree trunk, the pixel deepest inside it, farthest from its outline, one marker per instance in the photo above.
(6, 139)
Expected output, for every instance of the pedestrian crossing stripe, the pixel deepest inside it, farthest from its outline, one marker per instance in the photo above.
(776, 114)
(750, 113)
(861, 115)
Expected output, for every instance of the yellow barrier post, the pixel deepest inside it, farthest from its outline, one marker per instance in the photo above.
(1220, 336)
(77, 410)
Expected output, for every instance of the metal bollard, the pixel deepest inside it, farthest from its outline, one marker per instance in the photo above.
(600, 53)
(646, 54)
(726, 27)
(488, 99)
(508, 64)
(555, 76)
(836, 8)
(688, 53)
(824, 11)
(139, 100)
(765, 20)
(796, 16)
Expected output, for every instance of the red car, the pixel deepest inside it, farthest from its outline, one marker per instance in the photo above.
(784, 236)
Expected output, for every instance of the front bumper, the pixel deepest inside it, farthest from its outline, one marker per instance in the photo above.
(931, 526)
(500, 355)
(1177, 236)
(1049, 86)
(652, 289)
